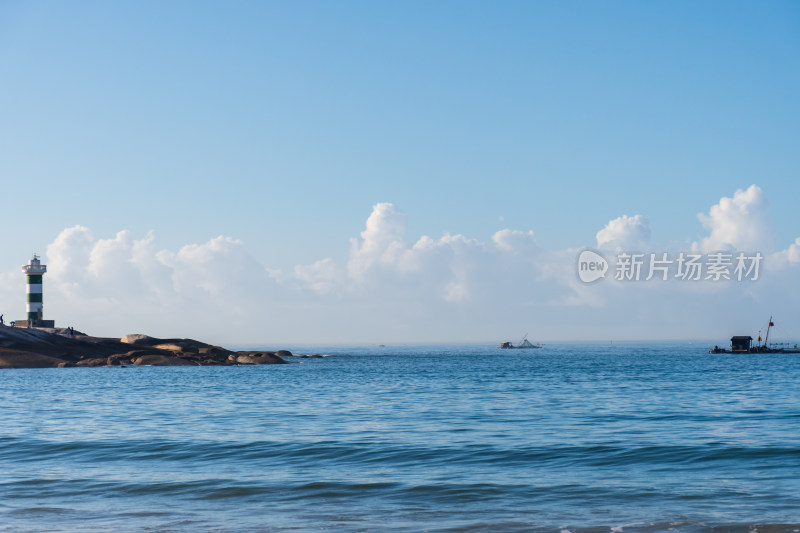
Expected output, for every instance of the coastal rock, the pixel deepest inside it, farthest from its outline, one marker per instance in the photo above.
(40, 348)
(133, 354)
(161, 360)
(170, 347)
(26, 359)
(184, 346)
(214, 351)
(138, 338)
(213, 355)
(119, 359)
(259, 358)
(283, 353)
(94, 361)
(205, 360)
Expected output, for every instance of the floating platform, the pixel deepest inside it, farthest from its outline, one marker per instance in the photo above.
(744, 344)
(775, 348)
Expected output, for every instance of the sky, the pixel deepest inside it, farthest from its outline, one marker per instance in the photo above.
(362, 172)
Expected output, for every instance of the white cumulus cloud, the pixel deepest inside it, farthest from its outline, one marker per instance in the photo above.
(451, 268)
(381, 241)
(625, 233)
(323, 276)
(515, 241)
(789, 256)
(124, 280)
(738, 223)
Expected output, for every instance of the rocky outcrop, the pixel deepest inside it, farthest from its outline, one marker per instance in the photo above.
(174, 347)
(138, 338)
(257, 358)
(26, 359)
(161, 360)
(38, 348)
(119, 359)
(94, 361)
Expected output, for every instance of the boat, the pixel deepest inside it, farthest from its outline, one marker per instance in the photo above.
(524, 344)
(744, 344)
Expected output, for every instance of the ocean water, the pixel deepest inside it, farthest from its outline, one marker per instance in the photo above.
(623, 437)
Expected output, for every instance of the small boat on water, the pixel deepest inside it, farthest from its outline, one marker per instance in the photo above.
(744, 344)
(524, 344)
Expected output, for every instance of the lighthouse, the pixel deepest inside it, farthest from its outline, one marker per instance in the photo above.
(34, 271)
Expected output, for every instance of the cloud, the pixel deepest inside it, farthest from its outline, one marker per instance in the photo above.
(219, 268)
(452, 268)
(381, 242)
(625, 233)
(126, 281)
(789, 256)
(323, 276)
(401, 288)
(515, 241)
(84, 267)
(69, 255)
(738, 223)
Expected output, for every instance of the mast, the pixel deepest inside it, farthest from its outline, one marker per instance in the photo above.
(766, 338)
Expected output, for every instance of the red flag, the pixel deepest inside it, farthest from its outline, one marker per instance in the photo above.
(772, 324)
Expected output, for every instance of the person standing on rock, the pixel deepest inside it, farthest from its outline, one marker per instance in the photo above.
(1, 321)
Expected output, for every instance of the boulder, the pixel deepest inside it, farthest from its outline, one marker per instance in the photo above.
(170, 347)
(133, 354)
(175, 347)
(210, 361)
(284, 353)
(25, 359)
(138, 338)
(207, 358)
(119, 359)
(161, 360)
(214, 350)
(258, 358)
(94, 361)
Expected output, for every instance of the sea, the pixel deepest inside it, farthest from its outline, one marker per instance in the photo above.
(595, 437)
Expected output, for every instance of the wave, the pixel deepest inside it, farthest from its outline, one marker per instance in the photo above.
(370, 453)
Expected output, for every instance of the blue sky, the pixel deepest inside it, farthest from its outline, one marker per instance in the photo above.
(282, 124)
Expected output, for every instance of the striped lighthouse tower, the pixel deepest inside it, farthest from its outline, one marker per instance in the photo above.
(34, 271)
